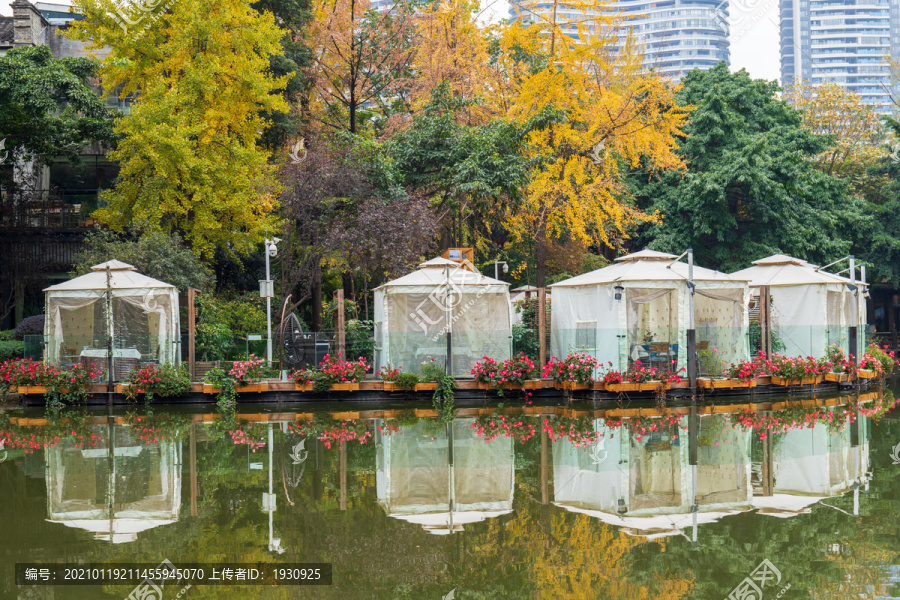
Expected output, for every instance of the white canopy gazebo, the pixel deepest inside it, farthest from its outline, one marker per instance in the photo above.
(114, 492)
(637, 309)
(416, 481)
(414, 312)
(811, 309)
(139, 311)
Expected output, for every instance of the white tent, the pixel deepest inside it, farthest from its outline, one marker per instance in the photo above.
(416, 482)
(649, 319)
(143, 319)
(648, 486)
(414, 312)
(811, 309)
(114, 493)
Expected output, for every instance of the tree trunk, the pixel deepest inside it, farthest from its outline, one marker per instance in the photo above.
(316, 321)
(541, 254)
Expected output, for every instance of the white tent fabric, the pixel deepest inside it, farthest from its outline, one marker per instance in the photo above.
(650, 319)
(145, 485)
(415, 481)
(143, 318)
(811, 309)
(413, 313)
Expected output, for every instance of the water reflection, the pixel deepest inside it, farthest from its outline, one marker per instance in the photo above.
(117, 488)
(555, 503)
(445, 477)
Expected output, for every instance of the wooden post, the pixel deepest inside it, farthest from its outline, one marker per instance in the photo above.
(545, 468)
(542, 326)
(339, 336)
(765, 320)
(192, 329)
(342, 474)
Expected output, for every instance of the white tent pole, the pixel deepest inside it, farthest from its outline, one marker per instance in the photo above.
(854, 313)
(449, 313)
(109, 336)
(691, 332)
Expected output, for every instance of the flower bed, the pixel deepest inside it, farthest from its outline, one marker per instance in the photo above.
(152, 381)
(156, 428)
(512, 373)
(330, 432)
(577, 368)
(334, 374)
(796, 370)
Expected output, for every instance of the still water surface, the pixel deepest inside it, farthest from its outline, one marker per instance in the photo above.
(565, 506)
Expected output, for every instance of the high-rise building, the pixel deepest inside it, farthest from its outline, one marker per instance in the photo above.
(841, 41)
(676, 36)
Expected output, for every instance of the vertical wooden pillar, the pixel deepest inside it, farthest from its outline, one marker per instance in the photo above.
(339, 336)
(542, 326)
(192, 329)
(765, 319)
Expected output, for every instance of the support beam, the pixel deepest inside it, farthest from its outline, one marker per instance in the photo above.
(765, 319)
(542, 326)
(192, 330)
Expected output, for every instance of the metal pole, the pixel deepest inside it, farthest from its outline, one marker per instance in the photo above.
(110, 387)
(268, 308)
(854, 313)
(270, 511)
(448, 315)
(691, 332)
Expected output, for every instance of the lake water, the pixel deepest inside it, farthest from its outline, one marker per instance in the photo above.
(800, 501)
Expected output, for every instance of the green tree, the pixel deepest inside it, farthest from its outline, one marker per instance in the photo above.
(880, 246)
(190, 155)
(157, 255)
(751, 188)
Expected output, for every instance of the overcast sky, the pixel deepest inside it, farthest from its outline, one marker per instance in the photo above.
(754, 32)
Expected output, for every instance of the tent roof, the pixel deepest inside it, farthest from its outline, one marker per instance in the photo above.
(784, 505)
(123, 530)
(653, 525)
(647, 265)
(780, 270)
(433, 273)
(122, 276)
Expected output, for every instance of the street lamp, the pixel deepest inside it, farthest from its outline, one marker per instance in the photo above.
(267, 291)
(505, 268)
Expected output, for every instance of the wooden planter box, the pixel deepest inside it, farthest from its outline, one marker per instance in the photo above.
(253, 387)
(32, 389)
(427, 386)
(804, 381)
(571, 386)
(864, 374)
(715, 384)
(529, 384)
(837, 377)
(210, 389)
(649, 386)
(345, 387)
(303, 387)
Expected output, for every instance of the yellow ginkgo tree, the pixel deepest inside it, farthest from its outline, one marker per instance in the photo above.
(606, 115)
(198, 71)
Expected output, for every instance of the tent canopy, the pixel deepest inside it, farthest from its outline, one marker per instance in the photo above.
(140, 313)
(414, 313)
(638, 310)
(811, 308)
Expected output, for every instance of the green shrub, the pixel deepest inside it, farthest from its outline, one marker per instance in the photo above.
(407, 381)
(11, 349)
(7, 334)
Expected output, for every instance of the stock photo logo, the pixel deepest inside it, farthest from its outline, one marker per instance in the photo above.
(740, 16)
(751, 588)
(3, 153)
(895, 454)
(135, 17)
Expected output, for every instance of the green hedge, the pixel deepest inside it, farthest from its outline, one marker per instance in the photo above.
(11, 349)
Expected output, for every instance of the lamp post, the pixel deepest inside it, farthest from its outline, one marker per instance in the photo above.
(267, 291)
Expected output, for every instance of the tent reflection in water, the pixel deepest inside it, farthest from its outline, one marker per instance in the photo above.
(114, 490)
(813, 464)
(638, 310)
(648, 487)
(811, 309)
(445, 483)
(412, 315)
(143, 319)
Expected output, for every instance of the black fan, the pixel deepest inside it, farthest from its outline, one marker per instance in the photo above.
(297, 348)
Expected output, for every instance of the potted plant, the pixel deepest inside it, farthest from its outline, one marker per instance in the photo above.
(741, 374)
(795, 370)
(214, 342)
(575, 372)
(333, 374)
(156, 381)
(432, 371)
(518, 372)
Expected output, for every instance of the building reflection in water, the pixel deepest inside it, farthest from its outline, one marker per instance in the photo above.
(444, 477)
(117, 489)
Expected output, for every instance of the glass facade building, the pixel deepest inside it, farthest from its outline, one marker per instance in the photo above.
(844, 42)
(676, 36)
